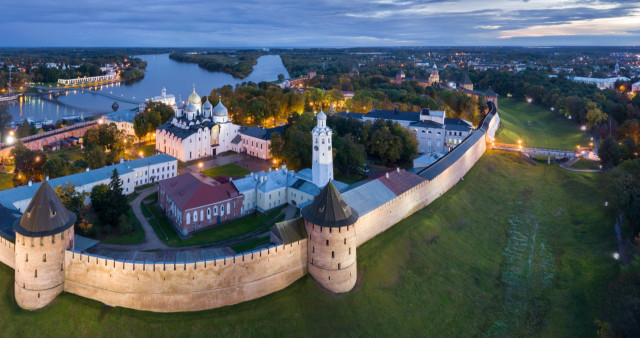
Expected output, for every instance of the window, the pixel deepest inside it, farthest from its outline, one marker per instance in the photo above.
(188, 218)
(44, 258)
(333, 254)
(327, 242)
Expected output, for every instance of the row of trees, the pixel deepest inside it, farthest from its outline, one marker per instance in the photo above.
(104, 145)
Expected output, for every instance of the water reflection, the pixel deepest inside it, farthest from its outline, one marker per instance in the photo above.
(178, 78)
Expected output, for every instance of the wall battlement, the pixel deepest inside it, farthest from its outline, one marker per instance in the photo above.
(176, 286)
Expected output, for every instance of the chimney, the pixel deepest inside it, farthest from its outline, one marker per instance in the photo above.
(30, 183)
(395, 109)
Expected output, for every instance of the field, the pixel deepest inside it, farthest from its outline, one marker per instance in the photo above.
(6, 181)
(537, 127)
(512, 250)
(230, 170)
(585, 164)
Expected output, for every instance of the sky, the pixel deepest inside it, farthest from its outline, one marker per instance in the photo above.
(305, 23)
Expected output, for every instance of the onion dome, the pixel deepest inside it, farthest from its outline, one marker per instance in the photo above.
(321, 115)
(194, 97)
(207, 105)
(220, 110)
(191, 108)
(45, 215)
(329, 209)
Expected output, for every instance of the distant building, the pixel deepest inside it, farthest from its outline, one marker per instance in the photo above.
(635, 87)
(123, 120)
(601, 83)
(132, 174)
(466, 82)
(168, 99)
(196, 201)
(434, 131)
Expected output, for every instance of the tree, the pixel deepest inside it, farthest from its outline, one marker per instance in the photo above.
(108, 201)
(350, 155)
(141, 125)
(280, 77)
(622, 189)
(28, 164)
(609, 153)
(629, 149)
(56, 166)
(631, 129)
(595, 116)
(277, 146)
(95, 157)
(5, 117)
(70, 197)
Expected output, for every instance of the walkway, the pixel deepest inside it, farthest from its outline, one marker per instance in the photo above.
(151, 240)
(571, 162)
(535, 151)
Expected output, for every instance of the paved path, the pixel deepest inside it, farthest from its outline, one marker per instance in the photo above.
(151, 240)
(568, 164)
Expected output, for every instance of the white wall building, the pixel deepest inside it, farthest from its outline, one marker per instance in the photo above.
(601, 83)
(132, 174)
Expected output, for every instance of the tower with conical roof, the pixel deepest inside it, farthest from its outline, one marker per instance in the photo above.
(331, 234)
(43, 233)
(466, 82)
(322, 153)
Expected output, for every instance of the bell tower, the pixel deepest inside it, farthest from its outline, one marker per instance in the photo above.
(322, 159)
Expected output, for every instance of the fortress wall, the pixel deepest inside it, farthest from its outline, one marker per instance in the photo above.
(7, 252)
(404, 205)
(185, 286)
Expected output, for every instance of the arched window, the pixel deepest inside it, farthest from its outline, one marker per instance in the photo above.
(44, 258)
(195, 216)
(188, 218)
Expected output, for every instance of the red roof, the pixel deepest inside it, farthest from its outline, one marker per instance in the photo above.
(190, 190)
(399, 181)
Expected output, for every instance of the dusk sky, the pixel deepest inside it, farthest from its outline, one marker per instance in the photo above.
(299, 23)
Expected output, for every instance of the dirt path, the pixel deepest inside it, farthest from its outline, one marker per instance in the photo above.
(571, 162)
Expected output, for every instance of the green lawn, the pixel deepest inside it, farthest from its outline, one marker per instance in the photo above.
(230, 170)
(537, 126)
(232, 229)
(6, 181)
(513, 250)
(72, 154)
(586, 164)
(349, 179)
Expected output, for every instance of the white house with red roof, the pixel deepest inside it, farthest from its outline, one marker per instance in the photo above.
(197, 201)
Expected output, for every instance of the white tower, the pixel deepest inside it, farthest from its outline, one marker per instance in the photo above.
(322, 160)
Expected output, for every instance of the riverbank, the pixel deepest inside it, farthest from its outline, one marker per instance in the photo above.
(237, 64)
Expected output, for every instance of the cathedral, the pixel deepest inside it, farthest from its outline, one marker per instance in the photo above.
(201, 130)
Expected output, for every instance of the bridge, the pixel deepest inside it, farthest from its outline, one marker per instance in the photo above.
(47, 90)
(557, 153)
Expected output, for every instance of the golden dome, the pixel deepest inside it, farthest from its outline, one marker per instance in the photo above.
(194, 97)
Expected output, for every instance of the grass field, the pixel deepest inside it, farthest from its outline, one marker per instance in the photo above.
(230, 170)
(585, 164)
(6, 181)
(537, 127)
(512, 250)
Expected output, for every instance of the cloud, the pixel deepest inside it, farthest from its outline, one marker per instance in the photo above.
(291, 23)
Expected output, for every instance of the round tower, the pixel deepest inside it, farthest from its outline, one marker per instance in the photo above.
(331, 250)
(43, 233)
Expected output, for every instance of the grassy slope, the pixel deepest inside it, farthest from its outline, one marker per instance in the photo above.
(585, 164)
(436, 273)
(6, 181)
(537, 127)
(230, 170)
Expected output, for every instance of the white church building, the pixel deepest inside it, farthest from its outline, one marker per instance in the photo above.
(200, 130)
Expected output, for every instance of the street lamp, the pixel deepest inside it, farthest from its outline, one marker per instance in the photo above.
(200, 165)
(140, 153)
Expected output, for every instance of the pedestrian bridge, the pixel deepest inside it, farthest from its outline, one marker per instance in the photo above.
(44, 90)
(558, 153)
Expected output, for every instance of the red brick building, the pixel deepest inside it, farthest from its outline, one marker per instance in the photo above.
(196, 201)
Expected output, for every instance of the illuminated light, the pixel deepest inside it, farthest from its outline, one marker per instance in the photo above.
(140, 153)
(37, 158)
(10, 139)
(616, 256)
(529, 100)
(583, 128)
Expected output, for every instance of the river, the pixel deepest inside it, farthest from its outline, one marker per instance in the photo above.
(179, 79)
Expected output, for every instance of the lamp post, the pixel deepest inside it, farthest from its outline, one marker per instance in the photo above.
(200, 165)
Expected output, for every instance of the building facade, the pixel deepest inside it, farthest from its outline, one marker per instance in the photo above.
(195, 201)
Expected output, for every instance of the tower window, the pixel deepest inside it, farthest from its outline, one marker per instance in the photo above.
(44, 258)
(333, 254)
(327, 242)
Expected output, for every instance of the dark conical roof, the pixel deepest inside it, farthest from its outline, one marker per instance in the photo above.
(329, 209)
(45, 215)
(490, 92)
(466, 79)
